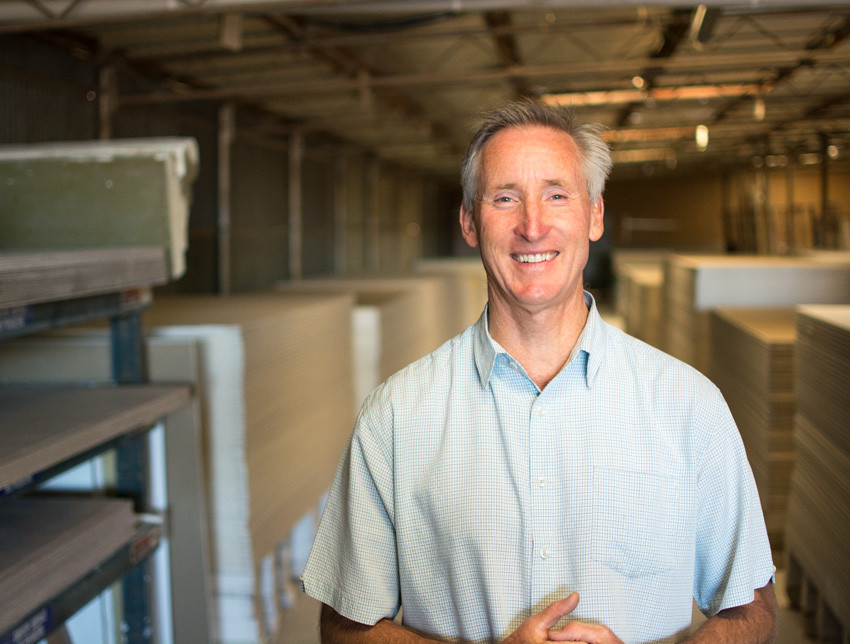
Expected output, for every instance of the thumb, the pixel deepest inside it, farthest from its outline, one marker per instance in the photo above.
(557, 609)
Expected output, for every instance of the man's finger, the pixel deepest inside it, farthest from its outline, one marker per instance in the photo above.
(556, 610)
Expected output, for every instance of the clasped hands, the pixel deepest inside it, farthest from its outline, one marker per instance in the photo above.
(541, 627)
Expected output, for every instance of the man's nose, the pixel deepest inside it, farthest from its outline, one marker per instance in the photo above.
(533, 223)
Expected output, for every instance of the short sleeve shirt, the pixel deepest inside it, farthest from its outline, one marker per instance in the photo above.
(472, 499)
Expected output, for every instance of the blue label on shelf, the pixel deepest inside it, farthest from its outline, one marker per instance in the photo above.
(15, 319)
(33, 630)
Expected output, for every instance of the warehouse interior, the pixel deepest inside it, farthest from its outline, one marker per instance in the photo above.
(296, 165)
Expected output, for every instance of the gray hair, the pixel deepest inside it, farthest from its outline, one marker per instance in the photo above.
(596, 160)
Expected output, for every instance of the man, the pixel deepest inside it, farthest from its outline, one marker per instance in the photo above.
(542, 476)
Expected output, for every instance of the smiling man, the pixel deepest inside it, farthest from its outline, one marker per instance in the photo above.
(542, 476)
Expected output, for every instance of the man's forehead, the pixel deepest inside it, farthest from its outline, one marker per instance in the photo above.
(521, 149)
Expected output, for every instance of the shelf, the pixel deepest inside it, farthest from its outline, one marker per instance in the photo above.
(30, 277)
(47, 607)
(48, 427)
(52, 289)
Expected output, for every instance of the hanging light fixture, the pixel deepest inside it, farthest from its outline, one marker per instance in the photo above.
(701, 136)
(758, 108)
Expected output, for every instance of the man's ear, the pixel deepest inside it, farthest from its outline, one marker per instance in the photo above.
(597, 215)
(468, 227)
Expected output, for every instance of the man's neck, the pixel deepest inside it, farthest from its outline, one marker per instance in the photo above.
(541, 341)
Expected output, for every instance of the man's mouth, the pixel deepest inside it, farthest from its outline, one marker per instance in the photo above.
(534, 258)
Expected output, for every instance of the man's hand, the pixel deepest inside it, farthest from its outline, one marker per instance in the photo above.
(541, 627)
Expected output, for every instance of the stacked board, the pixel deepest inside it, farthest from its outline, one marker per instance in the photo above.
(395, 321)
(95, 194)
(30, 277)
(752, 361)
(642, 302)
(79, 354)
(467, 287)
(51, 542)
(696, 284)
(272, 376)
(819, 503)
(276, 402)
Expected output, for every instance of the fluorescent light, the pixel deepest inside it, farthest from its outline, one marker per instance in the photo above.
(642, 156)
(687, 92)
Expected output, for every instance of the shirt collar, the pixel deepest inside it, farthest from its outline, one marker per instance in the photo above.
(591, 341)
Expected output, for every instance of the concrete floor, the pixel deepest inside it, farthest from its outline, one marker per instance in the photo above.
(299, 624)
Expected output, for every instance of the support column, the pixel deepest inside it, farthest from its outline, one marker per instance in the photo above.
(105, 101)
(295, 226)
(341, 168)
(373, 216)
(825, 237)
(790, 214)
(226, 130)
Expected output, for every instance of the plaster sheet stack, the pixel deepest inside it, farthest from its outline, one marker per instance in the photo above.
(28, 277)
(276, 401)
(819, 503)
(50, 542)
(467, 287)
(752, 360)
(396, 320)
(93, 194)
(84, 355)
(643, 308)
(696, 284)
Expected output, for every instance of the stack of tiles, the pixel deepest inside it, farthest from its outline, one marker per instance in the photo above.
(752, 361)
(819, 502)
(276, 403)
(696, 284)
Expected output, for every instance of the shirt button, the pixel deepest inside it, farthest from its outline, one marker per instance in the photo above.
(545, 553)
(541, 481)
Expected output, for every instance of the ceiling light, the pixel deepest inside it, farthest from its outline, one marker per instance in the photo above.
(638, 82)
(701, 136)
(642, 156)
(758, 108)
(621, 136)
(832, 151)
(624, 96)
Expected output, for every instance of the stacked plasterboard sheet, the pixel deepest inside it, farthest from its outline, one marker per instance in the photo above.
(30, 277)
(643, 287)
(277, 406)
(49, 543)
(696, 284)
(819, 504)
(621, 261)
(466, 288)
(395, 321)
(131, 192)
(41, 426)
(85, 355)
(752, 360)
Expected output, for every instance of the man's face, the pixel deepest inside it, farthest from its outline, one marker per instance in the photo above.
(534, 220)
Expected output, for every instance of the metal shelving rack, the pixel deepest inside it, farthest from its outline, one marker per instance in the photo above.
(29, 306)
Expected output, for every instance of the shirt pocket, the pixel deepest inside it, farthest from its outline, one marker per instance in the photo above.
(634, 521)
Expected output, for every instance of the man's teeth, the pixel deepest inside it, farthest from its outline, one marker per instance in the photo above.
(534, 258)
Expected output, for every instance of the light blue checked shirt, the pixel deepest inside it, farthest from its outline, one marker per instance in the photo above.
(473, 499)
